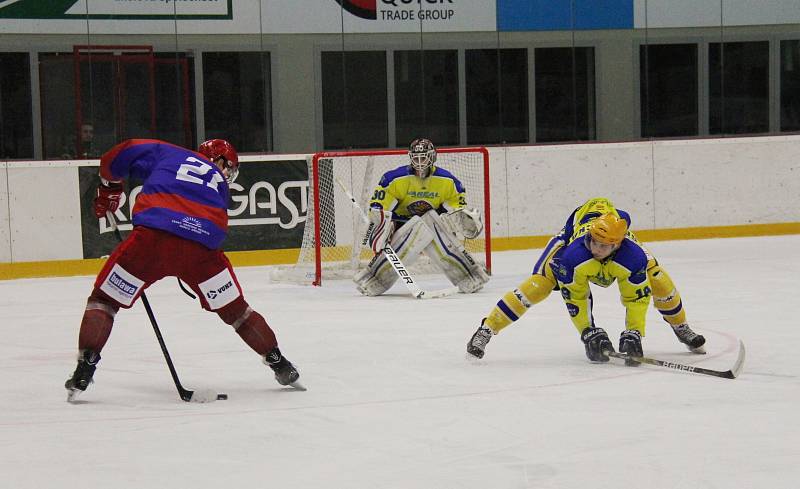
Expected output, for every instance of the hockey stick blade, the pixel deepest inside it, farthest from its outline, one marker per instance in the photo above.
(435, 294)
(726, 374)
(202, 396)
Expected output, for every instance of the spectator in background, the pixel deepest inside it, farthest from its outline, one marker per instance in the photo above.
(85, 149)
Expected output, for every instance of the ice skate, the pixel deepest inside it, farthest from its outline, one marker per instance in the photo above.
(693, 341)
(477, 344)
(285, 372)
(82, 377)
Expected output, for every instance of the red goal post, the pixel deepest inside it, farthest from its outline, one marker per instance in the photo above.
(332, 240)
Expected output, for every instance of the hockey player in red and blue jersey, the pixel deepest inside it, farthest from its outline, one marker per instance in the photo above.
(180, 220)
(595, 246)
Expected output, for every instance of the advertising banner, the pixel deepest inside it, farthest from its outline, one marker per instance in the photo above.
(245, 16)
(267, 210)
(379, 16)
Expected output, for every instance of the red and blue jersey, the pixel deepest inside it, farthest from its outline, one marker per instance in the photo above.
(183, 192)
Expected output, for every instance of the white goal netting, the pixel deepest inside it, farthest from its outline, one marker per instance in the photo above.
(334, 228)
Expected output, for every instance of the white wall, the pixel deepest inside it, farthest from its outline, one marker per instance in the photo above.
(664, 184)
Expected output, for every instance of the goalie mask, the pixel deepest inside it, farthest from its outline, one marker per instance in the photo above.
(219, 148)
(422, 154)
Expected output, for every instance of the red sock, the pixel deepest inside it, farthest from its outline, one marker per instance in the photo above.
(95, 330)
(257, 334)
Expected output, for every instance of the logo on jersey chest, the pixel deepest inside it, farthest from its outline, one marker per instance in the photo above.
(419, 207)
(601, 280)
(422, 194)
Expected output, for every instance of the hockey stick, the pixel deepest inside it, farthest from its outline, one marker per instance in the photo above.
(395, 261)
(206, 395)
(727, 374)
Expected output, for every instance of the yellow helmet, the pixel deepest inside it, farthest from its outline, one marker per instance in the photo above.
(608, 229)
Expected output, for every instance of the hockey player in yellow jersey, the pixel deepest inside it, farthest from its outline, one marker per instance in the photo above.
(419, 208)
(595, 246)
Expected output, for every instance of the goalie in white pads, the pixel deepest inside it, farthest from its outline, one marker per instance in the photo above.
(421, 209)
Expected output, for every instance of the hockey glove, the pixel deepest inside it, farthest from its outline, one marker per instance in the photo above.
(380, 229)
(630, 343)
(108, 197)
(466, 222)
(596, 342)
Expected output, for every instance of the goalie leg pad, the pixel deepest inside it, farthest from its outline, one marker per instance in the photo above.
(408, 242)
(450, 256)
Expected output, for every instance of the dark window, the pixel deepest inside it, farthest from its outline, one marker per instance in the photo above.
(497, 96)
(121, 93)
(16, 124)
(174, 76)
(790, 85)
(739, 87)
(354, 100)
(57, 82)
(565, 97)
(426, 96)
(668, 90)
(237, 99)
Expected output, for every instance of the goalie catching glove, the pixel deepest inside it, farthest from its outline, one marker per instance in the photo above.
(379, 230)
(465, 222)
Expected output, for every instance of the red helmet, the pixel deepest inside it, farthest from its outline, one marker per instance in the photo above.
(219, 148)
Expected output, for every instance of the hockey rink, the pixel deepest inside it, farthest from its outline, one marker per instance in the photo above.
(392, 403)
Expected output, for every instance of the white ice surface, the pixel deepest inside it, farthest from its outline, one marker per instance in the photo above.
(392, 402)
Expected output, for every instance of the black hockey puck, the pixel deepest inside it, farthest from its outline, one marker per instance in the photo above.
(222, 397)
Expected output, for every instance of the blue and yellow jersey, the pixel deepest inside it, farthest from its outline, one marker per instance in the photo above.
(580, 220)
(574, 267)
(407, 195)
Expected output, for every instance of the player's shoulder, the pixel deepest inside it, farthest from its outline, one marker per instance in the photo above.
(631, 256)
(138, 148)
(575, 253)
(392, 175)
(441, 173)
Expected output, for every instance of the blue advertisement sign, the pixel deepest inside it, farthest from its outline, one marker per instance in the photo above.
(564, 15)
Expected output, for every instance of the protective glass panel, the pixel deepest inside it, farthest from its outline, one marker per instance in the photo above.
(668, 92)
(497, 95)
(739, 87)
(565, 99)
(354, 100)
(426, 104)
(790, 85)
(236, 99)
(16, 125)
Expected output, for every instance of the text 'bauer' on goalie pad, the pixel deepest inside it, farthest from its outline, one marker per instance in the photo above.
(428, 235)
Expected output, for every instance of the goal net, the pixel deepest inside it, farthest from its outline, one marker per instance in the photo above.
(334, 231)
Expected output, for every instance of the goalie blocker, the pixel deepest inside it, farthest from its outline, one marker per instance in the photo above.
(436, 236)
